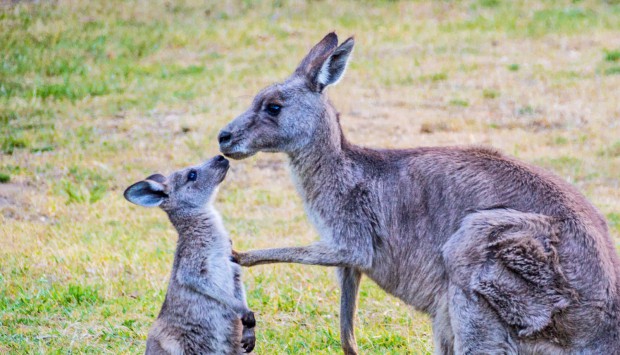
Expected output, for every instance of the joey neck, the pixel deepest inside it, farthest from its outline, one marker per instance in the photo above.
(192, 222)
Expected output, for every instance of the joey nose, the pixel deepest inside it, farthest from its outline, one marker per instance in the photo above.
(220, 161)
(224, 137)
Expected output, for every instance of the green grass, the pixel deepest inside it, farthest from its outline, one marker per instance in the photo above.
(459, 102)
(95, 95)
(612, 70)
(612, 55)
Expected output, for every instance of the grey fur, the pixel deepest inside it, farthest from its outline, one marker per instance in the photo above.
(505, 257)
(205, 311)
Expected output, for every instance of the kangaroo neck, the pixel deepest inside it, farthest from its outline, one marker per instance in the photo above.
(322, 166)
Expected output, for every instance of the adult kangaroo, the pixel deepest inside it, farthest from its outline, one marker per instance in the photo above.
(505, 257)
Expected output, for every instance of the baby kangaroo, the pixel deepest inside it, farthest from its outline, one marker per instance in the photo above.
(205, 310)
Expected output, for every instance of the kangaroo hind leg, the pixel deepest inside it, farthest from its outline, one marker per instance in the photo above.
(508, 259)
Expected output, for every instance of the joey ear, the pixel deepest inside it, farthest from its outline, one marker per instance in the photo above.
(157, 177)
(334, 67)
(147, 193)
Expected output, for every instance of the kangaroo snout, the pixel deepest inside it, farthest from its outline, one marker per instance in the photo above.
(224, 137)
(229, 146)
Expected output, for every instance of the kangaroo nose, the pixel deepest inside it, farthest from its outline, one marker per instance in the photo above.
(224, 137)
(219, 158)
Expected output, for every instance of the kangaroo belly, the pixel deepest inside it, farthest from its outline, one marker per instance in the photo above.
(414, 275)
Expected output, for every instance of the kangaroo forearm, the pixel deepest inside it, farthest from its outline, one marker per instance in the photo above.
(309, 255)
(240, 293)
(225, 298)
(215, 292)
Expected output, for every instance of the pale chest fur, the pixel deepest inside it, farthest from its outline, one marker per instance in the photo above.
(217, 254)
(314, 213)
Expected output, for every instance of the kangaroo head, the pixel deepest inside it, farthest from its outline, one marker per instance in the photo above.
(185, 191)
(285, 117)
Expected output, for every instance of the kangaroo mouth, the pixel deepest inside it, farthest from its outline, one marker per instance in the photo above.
(237, 155)
(235, 149)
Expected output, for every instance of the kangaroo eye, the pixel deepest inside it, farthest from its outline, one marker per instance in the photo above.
(192, 176)
(273, 109)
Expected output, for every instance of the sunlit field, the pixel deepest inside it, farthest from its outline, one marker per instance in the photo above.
(95, 95)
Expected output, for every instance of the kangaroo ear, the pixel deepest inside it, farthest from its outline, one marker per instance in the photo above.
(147, 193)
(311, 64)
(334, 67)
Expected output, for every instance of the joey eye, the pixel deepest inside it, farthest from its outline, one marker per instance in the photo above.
(273, 109)
(192, 175)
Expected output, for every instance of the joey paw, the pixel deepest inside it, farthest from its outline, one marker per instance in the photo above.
(248, 340)
(248, 319)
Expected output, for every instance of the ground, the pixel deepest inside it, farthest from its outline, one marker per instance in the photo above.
(95, 95)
